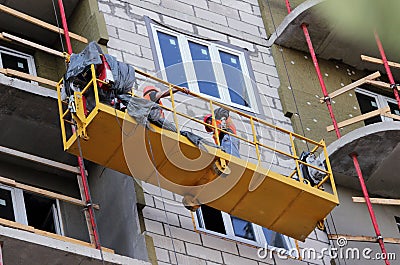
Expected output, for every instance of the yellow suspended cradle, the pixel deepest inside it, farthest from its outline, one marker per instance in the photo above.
(244, 189)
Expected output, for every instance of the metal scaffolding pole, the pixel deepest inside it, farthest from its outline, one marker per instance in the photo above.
(352, 155)
(80, 159)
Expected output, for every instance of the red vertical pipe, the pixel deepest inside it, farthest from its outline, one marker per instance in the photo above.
(353, 156)
(320, 79)
(369, 205)
(289, 9)
(65, 26)
(80, 159)
(387, 68)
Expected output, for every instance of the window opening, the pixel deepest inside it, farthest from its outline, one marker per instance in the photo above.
(212, 219)
(397, 218)
(243, 228)
(212, 69)
(172, 59)
(41, 212)
(368, 104)
(204, 70)
(234, 78)
(6, 205)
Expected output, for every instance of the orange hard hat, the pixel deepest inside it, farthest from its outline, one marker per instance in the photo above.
(206, 118)
(148, 89)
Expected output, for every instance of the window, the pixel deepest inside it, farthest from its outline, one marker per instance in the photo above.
(219, 223)
(17, 61)
(369, 101)
(218, 72)
(397, 222)
(30, 209)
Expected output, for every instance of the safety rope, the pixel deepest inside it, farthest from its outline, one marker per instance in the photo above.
(89, 205)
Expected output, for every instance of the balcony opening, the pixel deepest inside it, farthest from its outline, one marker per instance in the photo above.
(41, 213)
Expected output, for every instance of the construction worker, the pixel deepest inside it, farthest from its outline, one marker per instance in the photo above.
(155, 94)
(157, 114)
(229, 143)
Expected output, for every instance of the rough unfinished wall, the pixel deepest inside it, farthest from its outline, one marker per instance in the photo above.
(117, 219)
(346, 220)
(237, 23)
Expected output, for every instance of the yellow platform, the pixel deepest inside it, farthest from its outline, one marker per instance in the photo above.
(164, 158)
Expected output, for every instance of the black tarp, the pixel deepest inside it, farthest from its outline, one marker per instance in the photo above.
(123, 74)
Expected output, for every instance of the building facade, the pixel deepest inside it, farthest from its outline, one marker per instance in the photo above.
(209, 46)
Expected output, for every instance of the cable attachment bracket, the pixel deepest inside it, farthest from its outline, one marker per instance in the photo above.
(327, 99)
(76, 105)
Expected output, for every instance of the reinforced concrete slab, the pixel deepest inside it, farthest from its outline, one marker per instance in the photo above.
(328, 41)
(25, 248)
(378, 149)
(30, 121)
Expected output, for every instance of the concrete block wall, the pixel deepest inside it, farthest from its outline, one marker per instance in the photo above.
(233, 22)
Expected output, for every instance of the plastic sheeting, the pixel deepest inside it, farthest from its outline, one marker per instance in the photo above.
(123, 74)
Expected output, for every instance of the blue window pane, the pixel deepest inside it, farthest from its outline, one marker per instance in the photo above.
(204, 69)
(172, 58)
(234, 78)
(274, 239)
(243, 228)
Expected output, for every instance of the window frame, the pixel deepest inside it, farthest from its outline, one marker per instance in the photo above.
(397, 222)
(17, 197)
(381, 101)
(214, 48)
(29, 58)
(260, 240)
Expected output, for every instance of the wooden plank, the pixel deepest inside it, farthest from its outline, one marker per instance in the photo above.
(86, 212)
(53, 195)
(380, 84)
(31, 229)
(391, 115)
(8, 182)
(360, 118)
(39, 160)
(378, 201)
(40, 23)
(378, 61)
(3, 38)
(70, 240)
(15, 225)
(390, 240)
(41, 80)
(32, 44)
(48, 194)
(352, 85)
